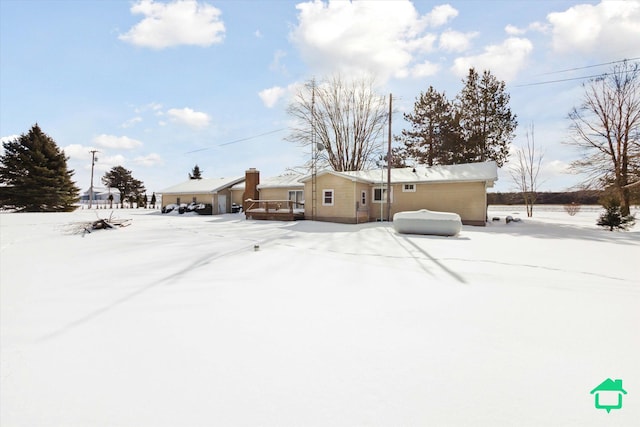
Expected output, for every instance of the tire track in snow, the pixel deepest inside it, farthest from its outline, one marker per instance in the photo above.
(199, 263)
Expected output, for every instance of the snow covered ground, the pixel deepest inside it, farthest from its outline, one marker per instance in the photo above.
(177, 320)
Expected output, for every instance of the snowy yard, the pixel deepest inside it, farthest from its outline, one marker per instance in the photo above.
(177, 321)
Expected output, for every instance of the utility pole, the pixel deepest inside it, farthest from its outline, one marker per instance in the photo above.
(93, 162)
(314, 152)
(389, 164)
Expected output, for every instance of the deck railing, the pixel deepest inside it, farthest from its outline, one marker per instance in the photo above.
(273, 206)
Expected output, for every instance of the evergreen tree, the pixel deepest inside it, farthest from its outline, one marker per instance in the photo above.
(486, 121)
(153, 200)
(433, 137)
(35, 173)
(612, 217)
(195, 173)
(122, 180)
(478, 126)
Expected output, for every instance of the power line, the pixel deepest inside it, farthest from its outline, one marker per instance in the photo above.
(574, 69)
(588, 66)
(568, 79)
(237, 140)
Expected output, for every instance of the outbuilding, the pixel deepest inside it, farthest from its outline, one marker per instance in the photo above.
(213, 191)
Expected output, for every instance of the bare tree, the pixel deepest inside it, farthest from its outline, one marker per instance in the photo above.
(526, 169)
(606, 128)
(346, 116)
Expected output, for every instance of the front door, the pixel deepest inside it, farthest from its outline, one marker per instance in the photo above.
(222, 203)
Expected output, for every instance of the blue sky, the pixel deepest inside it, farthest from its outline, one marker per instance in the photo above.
(159, 86)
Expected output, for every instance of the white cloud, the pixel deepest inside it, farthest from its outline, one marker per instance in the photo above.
(271, 96)
(276, 64)
(425, 69)
(153, 106)
(180, 22)
(105, 163)
(77, 152)
(189, 117)
(557, 167)
(373, 37)
(455, 41)
(152, 159)
(504, 60)
(132, 122)
(118, 142)
(441, 15)
(596, 28)
(512, 30)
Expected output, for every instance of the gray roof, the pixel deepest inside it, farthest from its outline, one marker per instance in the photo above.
(204, 185)
(282, 181)
(469, 172)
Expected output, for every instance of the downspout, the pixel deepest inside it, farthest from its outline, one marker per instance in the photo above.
(355, 201)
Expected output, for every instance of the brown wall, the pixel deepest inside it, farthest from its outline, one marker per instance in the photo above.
(236, 196)
(466, 199)
(344, 204)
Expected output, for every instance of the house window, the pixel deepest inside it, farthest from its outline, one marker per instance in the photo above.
(380, 195)
(178, 201)
(363, 198)
(409, 188)
(327, 197)
(194, 200)
(297, 196)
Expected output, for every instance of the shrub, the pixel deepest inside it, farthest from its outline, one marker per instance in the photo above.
(572, 208)
(612, 217)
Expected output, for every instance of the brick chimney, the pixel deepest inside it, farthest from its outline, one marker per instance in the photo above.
(251, 181)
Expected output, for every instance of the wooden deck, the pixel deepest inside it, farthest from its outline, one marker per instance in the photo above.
(273, 210)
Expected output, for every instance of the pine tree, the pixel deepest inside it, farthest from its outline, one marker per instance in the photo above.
(485, 118)
(153, 200)
(478, 126)
(196, 173)
(612, 217)
(35, 173)
(122, 180)
(433, 136)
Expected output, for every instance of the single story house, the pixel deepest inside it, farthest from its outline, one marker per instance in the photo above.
(214, 191)
(348, 197)
(101, 194)
(361, 196)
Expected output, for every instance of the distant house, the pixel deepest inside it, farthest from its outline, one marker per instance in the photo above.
(213, 191)
(361, 196)
(608, 395)
(101, 195)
